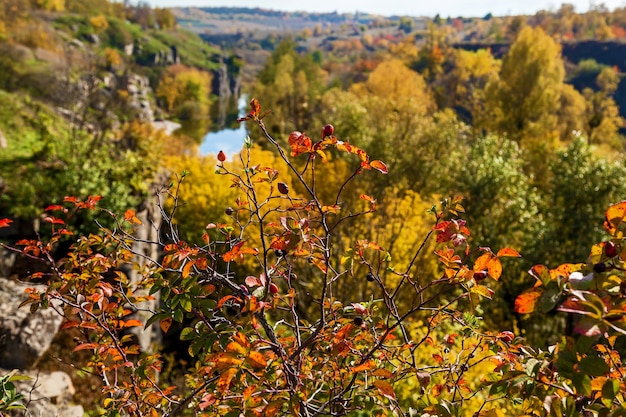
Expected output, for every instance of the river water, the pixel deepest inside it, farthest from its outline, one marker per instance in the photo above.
(228, 140)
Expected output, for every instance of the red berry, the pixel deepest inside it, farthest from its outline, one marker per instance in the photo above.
(221, 156)
(328, 130)
(480, 275)
(283, 188)
(610, 249)
(273, 288)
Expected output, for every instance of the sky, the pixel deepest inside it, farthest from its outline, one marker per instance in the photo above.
(445, 8)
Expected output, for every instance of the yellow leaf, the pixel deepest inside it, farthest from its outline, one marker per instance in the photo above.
(331, 209)
(614, 217)
(235, 347)
(494, 412)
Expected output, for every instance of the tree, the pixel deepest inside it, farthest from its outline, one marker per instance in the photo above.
(602, 113)
(180, 84)
(292, 84)
(525, 99)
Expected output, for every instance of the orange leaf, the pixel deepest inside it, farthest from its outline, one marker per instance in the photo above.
(224, 382)
(565, 270)
(256, 107)
(494, 268)
(130, 216)
(366, 366)
(69, 324)
(527, 301)
(504, 252)
(482, 262)
(131, 323)
(84, 346)
(235, 347)
(614, 217)
(379, 165)
(165, 324)
(187, 269)
(385, 389)
(383, 373)
(223, 300)
(256, 359)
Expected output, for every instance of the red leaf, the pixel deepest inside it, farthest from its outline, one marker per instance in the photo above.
(5, 222)
(54, 207)
(53, 220)
(379, 165)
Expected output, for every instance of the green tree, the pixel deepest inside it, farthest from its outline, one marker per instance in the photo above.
(291, 85)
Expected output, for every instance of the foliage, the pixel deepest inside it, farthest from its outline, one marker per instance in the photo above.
(292, 84)
(582, 373)
(525, 98)
(10, 399)
(255, 352)
(180, 84)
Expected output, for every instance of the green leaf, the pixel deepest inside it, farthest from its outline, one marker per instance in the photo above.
(582, 383)
(610, 389)
(188, 333)
(185, 303)
(593, 366)
(549, 299)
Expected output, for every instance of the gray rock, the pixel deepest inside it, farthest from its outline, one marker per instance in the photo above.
(128, 49)
(24, 337)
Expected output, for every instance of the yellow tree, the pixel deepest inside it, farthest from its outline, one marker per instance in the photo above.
(466, 83)
(603, 118)
(525, 99)
(179, 84)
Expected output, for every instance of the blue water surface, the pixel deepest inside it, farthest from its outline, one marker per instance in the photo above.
(228, 140)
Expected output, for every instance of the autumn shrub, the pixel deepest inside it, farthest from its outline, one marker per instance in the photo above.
(265, 297)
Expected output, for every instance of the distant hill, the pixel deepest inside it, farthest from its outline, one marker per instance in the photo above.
(232, 20)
